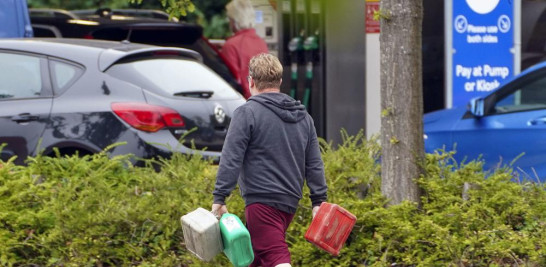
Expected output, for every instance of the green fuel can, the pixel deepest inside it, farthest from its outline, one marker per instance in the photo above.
(236, 239)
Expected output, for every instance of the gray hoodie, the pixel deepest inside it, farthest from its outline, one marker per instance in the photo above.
(271, 148)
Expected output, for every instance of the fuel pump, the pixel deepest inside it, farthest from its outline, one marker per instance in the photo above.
(303, 24)
(311, 48)
(295, 46)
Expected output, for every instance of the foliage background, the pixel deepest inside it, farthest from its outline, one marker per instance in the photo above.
(101, 211)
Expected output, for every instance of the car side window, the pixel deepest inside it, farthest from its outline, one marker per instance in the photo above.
(63, 75)
(20, 76)
(528, 96)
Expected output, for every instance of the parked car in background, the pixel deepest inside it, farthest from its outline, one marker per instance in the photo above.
(14, 19)
(81, 96)
(508, 125)
(135, 30)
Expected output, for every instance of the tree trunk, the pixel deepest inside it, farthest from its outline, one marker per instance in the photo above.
(401, 99)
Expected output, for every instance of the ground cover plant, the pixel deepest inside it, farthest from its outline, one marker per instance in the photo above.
(98, 210)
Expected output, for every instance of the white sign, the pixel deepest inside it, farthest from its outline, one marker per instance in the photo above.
(259, 16)
(482, 6)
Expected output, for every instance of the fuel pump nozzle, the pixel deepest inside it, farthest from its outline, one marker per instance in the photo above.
(311, 47)
(295, 46)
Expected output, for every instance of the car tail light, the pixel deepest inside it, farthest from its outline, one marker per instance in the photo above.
(148, 118)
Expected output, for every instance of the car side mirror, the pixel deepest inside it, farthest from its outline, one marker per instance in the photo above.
(475, 107)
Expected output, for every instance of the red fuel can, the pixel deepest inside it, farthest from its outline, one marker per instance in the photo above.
(330, 228)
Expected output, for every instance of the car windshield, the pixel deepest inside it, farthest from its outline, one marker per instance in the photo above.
(175, 77)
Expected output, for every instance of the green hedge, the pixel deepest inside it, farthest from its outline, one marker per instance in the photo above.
(100, 211)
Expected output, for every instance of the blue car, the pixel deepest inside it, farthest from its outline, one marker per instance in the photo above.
(506, 126)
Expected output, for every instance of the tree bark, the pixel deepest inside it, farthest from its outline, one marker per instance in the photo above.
(401, 99)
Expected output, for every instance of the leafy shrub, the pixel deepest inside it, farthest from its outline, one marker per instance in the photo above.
(96, 211)
(100, 211)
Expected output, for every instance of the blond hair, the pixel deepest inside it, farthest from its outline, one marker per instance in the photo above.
(242, 13)
(266, 71)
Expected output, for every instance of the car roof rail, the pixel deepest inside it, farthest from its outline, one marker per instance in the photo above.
(52, 13)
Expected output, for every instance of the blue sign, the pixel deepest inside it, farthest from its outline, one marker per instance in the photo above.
(483, 38)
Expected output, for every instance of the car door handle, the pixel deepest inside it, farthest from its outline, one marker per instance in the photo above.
(24, 117)
(538, 121)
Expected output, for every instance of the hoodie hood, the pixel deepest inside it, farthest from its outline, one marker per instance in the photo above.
(288, 109)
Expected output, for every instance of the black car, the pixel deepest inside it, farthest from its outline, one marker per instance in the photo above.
(65, 24)
(83, 95)
(136, 13)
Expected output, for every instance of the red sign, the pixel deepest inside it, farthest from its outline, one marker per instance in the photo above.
(372, 26)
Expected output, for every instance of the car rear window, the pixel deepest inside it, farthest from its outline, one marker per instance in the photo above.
(174, 77)
(215, 62)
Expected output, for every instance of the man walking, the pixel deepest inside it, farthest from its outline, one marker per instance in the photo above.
(270, 150)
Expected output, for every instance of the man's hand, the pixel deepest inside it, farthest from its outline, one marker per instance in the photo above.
(315, 210)
(218, 210)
